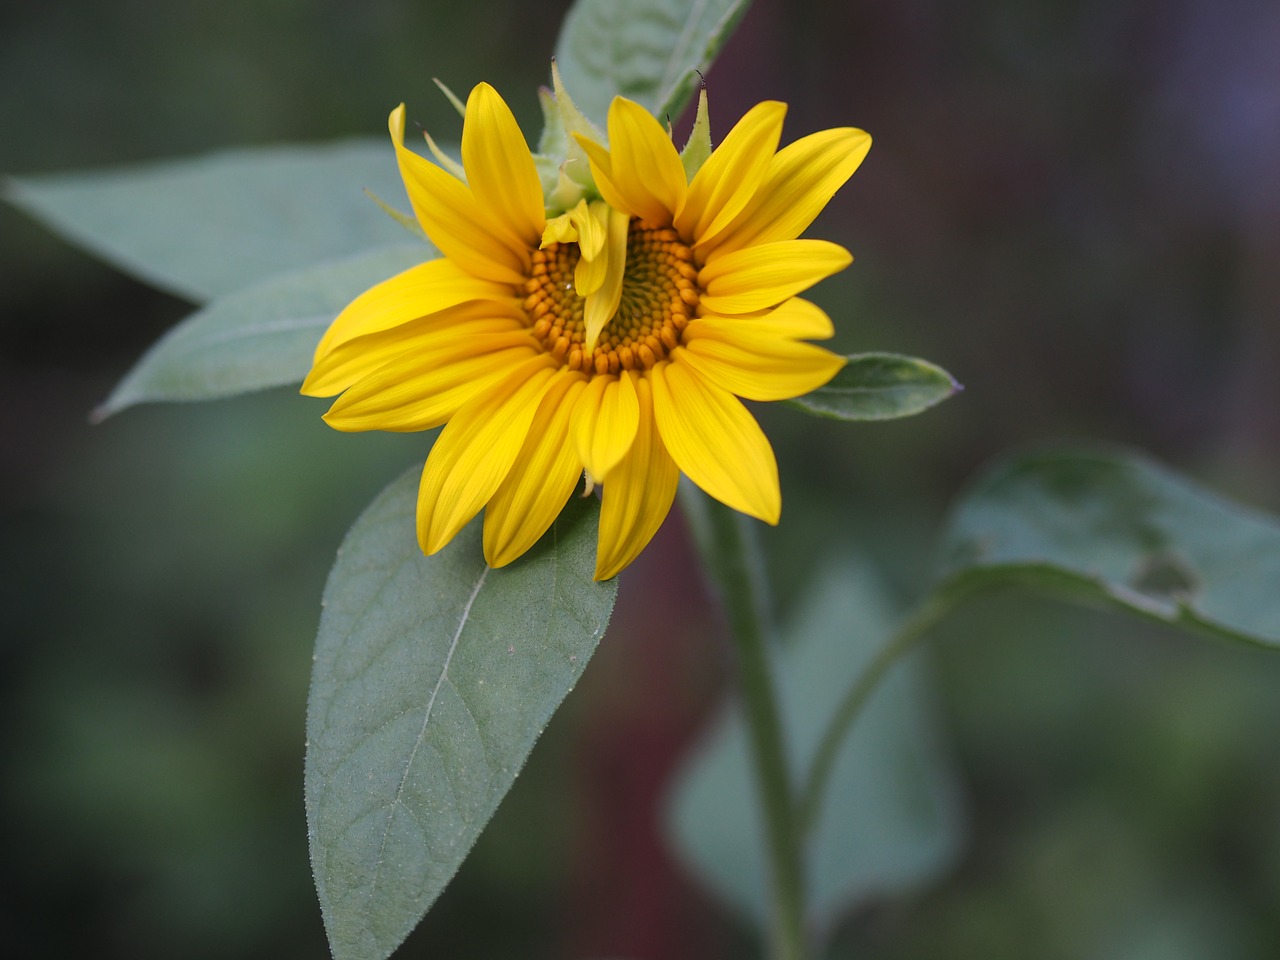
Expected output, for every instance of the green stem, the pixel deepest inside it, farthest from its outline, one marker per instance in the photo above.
(864, 684)
(731, 555)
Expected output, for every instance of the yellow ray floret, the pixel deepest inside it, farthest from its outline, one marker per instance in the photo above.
(610, 337)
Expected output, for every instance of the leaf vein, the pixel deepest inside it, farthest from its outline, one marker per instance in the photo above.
(426, 719)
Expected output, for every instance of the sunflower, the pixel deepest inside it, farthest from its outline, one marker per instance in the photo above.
(603, 325)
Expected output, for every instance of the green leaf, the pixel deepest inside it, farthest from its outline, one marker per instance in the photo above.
(891, 818)
(1115, 528)
(880, 386)
(433, 677)
(208, 226)
(646, 50)
(263, 336)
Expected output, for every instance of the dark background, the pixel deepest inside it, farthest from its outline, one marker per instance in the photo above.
(1074, 205)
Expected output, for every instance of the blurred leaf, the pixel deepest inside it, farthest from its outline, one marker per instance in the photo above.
(890, 820)
(646, 50)
(207, 226)
(880, 386)
(1118, 529)
(263, 336)
(433, 677)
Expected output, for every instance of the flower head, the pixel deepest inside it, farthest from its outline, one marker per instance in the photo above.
(614, 337)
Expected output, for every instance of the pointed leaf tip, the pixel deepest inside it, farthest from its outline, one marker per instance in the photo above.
(880, 386)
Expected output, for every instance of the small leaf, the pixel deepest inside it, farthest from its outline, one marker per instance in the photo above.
(260, 337)
(208, 226)
(1117, 529)
(890, 820)
(646, 50)
(880, 386)
(433, 677)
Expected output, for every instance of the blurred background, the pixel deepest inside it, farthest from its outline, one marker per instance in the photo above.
(1073, 205)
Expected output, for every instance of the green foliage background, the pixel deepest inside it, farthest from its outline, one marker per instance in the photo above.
(1070, 206)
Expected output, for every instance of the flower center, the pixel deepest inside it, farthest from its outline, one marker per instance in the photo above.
(659, 293)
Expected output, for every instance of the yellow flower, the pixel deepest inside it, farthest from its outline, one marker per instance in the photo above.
(614, 338)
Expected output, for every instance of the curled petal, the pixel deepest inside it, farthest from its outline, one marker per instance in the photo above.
(602, 302)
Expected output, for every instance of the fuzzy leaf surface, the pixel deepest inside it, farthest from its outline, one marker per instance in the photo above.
(891, 819)
(646, 50)
(259, 337)
(880, 386)
(433, 677)
(1115, 528)
(207, 226)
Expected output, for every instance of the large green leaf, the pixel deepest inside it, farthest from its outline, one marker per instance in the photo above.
(433, 677)
(211, 225)
(1117, 529)
(890, 820)
(647, 50)
(880, 386)
(263, 336)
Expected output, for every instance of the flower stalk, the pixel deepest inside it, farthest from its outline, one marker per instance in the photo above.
(731, 555)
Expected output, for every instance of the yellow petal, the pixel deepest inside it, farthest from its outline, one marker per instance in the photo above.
(417, 292)
(590, 275)
(637, 496)
(641, 172)
(464, 229)
(801, 179)
(605, 421)
(593, 227)
(474, 453)
(733, 173)
(541, 479)
(602, 174)
(405, 395)
(646, 164)
(592, 270)
(715, 441)
(559, 229)
(756, 365)
(602, 303)
(796, 318)
(761, 276)
(354, 359)
(500, 167)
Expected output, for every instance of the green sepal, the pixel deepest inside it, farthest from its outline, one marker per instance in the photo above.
(698, 148)
(405, 220)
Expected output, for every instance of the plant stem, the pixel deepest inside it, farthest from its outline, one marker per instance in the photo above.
(731, 555)
(864, 684)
